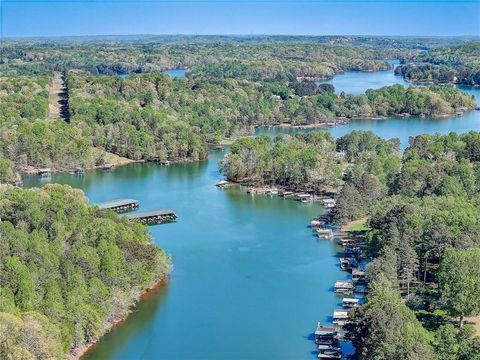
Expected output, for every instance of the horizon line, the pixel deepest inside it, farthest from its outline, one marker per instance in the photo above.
(236, 34)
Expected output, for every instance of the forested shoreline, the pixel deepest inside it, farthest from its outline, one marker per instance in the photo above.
(156, 118)
(68, 271)
(452, 65)
(234, 85)
(422, 231)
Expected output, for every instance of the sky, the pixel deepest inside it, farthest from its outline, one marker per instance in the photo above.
(301, 17)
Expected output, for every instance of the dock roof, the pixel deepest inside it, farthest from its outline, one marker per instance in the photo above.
(343, 283)
(149, 213)
(117, 203)
(350, 300)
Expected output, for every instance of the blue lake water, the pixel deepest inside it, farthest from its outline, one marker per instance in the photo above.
(249, 279)
(357, 82)
(174, 73)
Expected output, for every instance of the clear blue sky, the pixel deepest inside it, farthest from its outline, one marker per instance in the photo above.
(303, 17)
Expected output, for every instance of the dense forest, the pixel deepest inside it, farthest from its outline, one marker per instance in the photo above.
(68, 271)
(169, 118)
(455, 64)
(317, 56)
(154, 117)
(285, 60)
(234, 84)
(424, 236)
(423, 229)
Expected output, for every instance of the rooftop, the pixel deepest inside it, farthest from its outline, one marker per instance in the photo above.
(347, 300)
(117, 203)
(149, 213)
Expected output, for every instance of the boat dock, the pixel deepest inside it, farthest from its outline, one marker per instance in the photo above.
(326, 339)
(343, 287)
(348, 303)
(120, 205)
(152, 217)
(44, 172)
(340, 317)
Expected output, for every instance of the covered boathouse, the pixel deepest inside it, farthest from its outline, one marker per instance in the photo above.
(152, 217)
(120, 205)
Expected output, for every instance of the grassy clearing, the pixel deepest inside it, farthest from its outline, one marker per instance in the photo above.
(357, 225)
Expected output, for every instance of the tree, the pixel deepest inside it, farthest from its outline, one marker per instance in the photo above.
(385, 328)
(350, 205)
(453, 343)
(459, 282)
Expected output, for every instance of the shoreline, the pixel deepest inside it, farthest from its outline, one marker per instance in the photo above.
(33, 170)
(84, 350)
(345, 121)
(263, 189)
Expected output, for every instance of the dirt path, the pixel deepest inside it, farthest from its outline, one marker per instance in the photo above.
(475, 321)
(57, 98)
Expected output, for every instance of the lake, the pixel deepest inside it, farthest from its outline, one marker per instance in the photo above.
(249, 279)
(174, 73)
(357, 82)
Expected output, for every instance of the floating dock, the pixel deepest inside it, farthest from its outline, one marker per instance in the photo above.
(348, 303)
(340, 317)
(152, 217)
(358, 276)
(343, 287)
(327, 342)
(120, 205)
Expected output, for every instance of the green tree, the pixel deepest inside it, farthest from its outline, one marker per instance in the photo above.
(385, 328)
(459, 282)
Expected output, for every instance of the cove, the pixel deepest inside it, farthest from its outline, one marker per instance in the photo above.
(245, 268)
(174, 73)
(357, 82)
(249, 279)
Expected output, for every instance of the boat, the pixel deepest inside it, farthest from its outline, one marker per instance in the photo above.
(45, 172)
(222, 184)
(329, 352)
(77, 170)
(317, 223)
(272, 192)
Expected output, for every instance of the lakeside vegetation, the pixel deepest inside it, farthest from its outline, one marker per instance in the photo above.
(235, 84)
(423, 236)
(157, 118)
(455, 64)
(422, 230)
(68, 271)
(318, 56)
